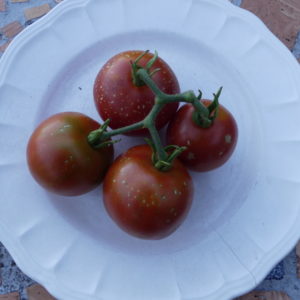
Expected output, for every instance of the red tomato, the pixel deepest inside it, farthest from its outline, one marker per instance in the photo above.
(144, 201)
(118, 99)
(60, 158)
(207, 148)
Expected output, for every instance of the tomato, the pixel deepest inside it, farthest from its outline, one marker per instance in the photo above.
(118, 99)
(60, 158)
(144, 201)
(207, 148)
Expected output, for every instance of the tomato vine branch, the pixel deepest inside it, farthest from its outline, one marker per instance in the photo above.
(203, 115)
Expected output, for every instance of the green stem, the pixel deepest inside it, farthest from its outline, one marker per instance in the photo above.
(177, 151)
(159, 149)
(108, 134)
(188, 97)
(149, 123)
(141, 77)
(161, 99)
(135, 67)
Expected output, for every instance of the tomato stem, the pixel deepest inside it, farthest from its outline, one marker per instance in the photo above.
(144, 76)
(166, 163)
(188, 97)
(214, 106)
(203, 116)
(177, 151)
(95, 137)
(135, 67)
(160, 152)
(100, 135)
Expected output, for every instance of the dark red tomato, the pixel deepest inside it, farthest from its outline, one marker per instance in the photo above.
(207, 148)
(60, 158)
(118, 99)
(144, 201)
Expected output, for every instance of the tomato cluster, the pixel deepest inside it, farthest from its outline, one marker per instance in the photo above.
(147, 190)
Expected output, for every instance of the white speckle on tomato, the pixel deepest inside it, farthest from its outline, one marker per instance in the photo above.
(191, 156)
(188, 142)
(228, 138)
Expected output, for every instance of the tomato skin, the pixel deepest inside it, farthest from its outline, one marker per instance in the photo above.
(60, 158)
(207, 148)
(118, 99)
(144, 201)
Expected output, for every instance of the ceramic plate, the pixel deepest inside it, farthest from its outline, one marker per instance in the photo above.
(245, 215)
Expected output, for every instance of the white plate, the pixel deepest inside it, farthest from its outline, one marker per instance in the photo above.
(245, 216)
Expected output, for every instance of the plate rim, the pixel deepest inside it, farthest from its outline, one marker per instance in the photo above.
(21, 256)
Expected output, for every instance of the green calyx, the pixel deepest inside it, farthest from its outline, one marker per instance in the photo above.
(205, 121)
(95, 138)
(171, 152)
(135, 67)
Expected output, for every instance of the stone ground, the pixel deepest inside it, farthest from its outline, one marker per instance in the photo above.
(283, 19)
